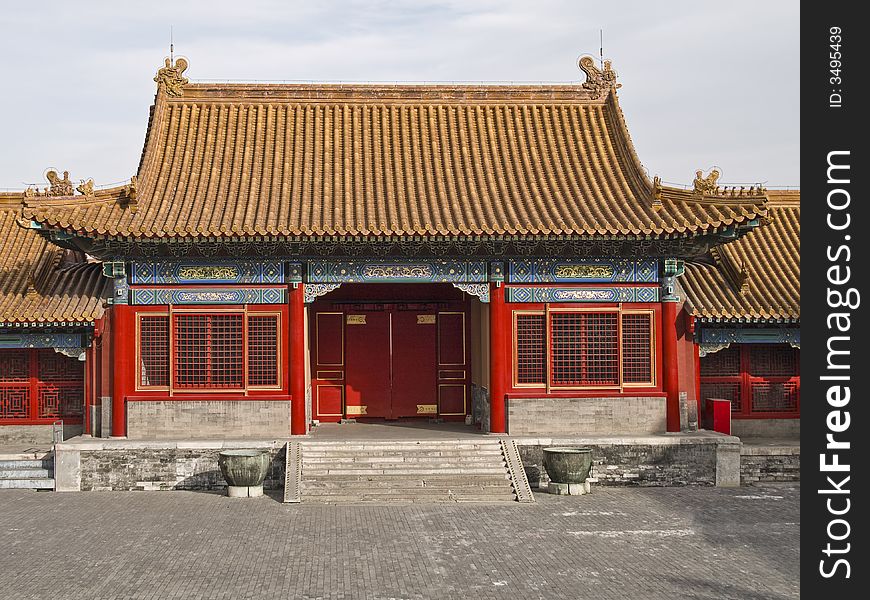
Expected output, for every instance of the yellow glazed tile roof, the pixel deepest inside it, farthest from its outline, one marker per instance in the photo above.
(391, 160)
(757, 276)
(40, 282)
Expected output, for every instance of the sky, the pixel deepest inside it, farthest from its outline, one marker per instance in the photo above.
(704, 84)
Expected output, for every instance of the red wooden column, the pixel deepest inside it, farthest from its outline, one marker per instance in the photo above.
(669, 363)
(498, 362)
(298, 426)
(89, 389)
(123, 349)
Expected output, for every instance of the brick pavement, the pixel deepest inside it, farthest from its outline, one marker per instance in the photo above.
(621, 543)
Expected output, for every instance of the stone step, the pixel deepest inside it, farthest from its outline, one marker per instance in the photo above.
(308, 453)
(418, 483)
(308, 472)
(24, 464)
(25, 473)
(404, 447)
(36, 484)
(393, 463)
(410, 499)
(459, 487)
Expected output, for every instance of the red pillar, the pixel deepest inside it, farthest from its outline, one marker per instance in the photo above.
(498, 364)
(89, 389)
(669, 364)
(298, 426)
(123, 342)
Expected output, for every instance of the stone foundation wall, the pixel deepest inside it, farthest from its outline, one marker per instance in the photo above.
(778, 428)
(585, 416)
(174, 468)
(218, 419)
(765, 464)
(640, 463)
(37, 435)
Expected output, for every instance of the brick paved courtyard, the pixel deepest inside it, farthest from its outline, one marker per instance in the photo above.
(625, 543)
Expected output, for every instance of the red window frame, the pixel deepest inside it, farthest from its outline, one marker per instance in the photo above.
(228, 361)
(615, 352)
(49, 387)
(744, 379)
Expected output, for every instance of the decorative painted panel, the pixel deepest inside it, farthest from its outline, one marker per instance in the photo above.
(181, 272)
(433, 271)
(586, 294)
(210, 296)
(589, 271)
(750, 335)
(41, 340)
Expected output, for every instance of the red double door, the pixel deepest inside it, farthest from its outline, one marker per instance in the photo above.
(397, 361)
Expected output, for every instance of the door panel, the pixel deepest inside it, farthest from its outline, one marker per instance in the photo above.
(453, 368)
(367, 391)
(414, 379)
(328, 359)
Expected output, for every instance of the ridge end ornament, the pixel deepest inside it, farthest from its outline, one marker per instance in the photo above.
(598, 81)
(706, 186)
(170, 79)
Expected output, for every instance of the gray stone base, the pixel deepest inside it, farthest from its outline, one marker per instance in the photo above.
(245, 491)
(569, 489)
(589, 416)
(770, 463)
(218, 419)
(701, 458)
(36, 435)
(770, 428)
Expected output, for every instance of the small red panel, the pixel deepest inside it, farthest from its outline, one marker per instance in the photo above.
(451, 399)
(329, 339)
(451, 339)
(328, 400)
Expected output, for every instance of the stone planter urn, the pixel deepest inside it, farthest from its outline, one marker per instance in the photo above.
(244, 471)
(568, 469)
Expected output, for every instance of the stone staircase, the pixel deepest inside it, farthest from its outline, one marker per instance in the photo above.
(27, 470)
(407, 471)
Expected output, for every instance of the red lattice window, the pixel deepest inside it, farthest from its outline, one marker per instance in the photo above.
(637, 366)
(531, 349)
(208, 351)
(759, 379)
(581, 348)
(154, 350)
(263, 350)
(40, 384)
(584, 349)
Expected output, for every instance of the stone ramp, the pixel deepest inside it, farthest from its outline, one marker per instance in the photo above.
(358, 471)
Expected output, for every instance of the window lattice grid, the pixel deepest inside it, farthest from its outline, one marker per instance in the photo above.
(724, 363)
(14, 366)
(772, 397)
(637, 348)
(60, 400)
(723, 390)
(263, 350)
(531, 349)
(14, 401)
(209, 351)
(584, 349)
(772, 360)
(154, 351)
(54, 366)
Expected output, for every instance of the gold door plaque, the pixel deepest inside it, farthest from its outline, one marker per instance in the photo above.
(356, 410)
(356, 319)
(427, 409)
(425, 319)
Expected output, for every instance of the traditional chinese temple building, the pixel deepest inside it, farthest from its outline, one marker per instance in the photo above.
(305, 253)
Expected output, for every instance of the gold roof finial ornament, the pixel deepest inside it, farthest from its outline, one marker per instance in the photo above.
(598, 81)
(86, 188)
(705, 186)
(58, 186)
(169, 78)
